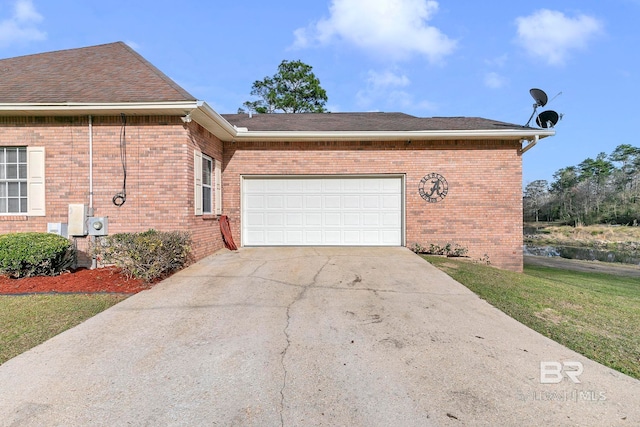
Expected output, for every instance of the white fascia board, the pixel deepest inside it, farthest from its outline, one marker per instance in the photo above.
(199, 110)
(70, 108)
(519, 135)
(206, 116)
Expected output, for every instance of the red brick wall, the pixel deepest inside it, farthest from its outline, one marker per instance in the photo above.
(159, 173)
(482, 211)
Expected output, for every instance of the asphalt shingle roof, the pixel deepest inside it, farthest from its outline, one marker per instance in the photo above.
(115, 73)
(361, 122)
(108, 73)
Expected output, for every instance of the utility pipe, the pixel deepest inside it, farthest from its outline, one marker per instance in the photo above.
(94, 262)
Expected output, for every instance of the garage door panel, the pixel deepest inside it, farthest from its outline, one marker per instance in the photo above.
(352, 185)
(294, 219)
(275, 186)
(390, 220)
(274, 219)
(312, 219)
(332, 237)
(371, 201)
(255, 219)
(255, 201)
(294, 237)
(390, 236)
(274, 201)
(351, 219)
(333, 219)
(370, 237)
(256, 237)
(275, 237)
(370, 219)
(393, 186)
(331, 185)
(322, 211)
(351, 202)
(352, 238)
(313, 202)
(294, 201)
(332, 202)
(390, 201)
(313, 237)
(294, 186)
(371, 185)
(254, 186)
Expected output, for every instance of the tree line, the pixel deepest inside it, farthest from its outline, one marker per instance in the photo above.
(604, 190)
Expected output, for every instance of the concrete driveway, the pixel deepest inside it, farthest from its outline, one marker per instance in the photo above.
(308, 337)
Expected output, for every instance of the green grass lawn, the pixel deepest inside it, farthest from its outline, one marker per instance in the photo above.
(597, 315)
(26, 321)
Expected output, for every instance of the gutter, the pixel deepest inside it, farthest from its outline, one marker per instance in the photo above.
(245, 135)
(207, 117)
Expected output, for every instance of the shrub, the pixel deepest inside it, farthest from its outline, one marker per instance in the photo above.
(148, 255)
(34, 254)
(449, 250)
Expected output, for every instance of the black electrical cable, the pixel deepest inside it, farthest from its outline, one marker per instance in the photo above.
(121, 197)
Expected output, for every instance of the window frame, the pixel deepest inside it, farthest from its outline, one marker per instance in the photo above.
(21, 179)
(207, 208)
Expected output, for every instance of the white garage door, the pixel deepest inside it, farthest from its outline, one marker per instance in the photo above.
(331, 211)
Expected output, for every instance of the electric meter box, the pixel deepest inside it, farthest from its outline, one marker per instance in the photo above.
(98, 225)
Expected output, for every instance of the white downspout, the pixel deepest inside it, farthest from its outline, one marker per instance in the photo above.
(94, 262)
(530, 145)
(90, 166)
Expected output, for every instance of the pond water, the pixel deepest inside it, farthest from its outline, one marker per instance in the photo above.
(588, 254)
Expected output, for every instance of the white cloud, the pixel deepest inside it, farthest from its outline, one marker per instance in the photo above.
(384, 93)
(494, 80)
(22, 25)
(500, 61)
(551, 36)
(386, 79)
(393, 29)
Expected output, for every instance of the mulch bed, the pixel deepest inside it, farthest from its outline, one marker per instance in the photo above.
(99, 280)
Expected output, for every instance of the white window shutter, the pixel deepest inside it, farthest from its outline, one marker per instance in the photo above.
(35, 181)
(218, 187)
(197, 180)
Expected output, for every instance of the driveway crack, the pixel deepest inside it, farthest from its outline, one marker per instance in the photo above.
(283, 354)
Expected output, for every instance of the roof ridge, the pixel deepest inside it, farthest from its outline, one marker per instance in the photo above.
(156, 70)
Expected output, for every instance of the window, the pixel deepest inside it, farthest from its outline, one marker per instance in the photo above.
(22, 190)
(13, 180)
(207, 173)
(207, 179)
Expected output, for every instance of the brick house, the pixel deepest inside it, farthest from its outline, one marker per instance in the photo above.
(75, 123)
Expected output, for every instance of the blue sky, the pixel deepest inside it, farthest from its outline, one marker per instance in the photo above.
(421, 57)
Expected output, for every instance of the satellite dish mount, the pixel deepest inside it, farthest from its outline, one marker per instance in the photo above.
(546, 119)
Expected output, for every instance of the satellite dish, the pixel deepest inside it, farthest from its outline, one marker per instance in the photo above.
(547, 119)
(539, 96)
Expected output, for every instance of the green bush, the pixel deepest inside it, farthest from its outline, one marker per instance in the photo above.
(148, 255)
(449, 250)
(34, 254)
